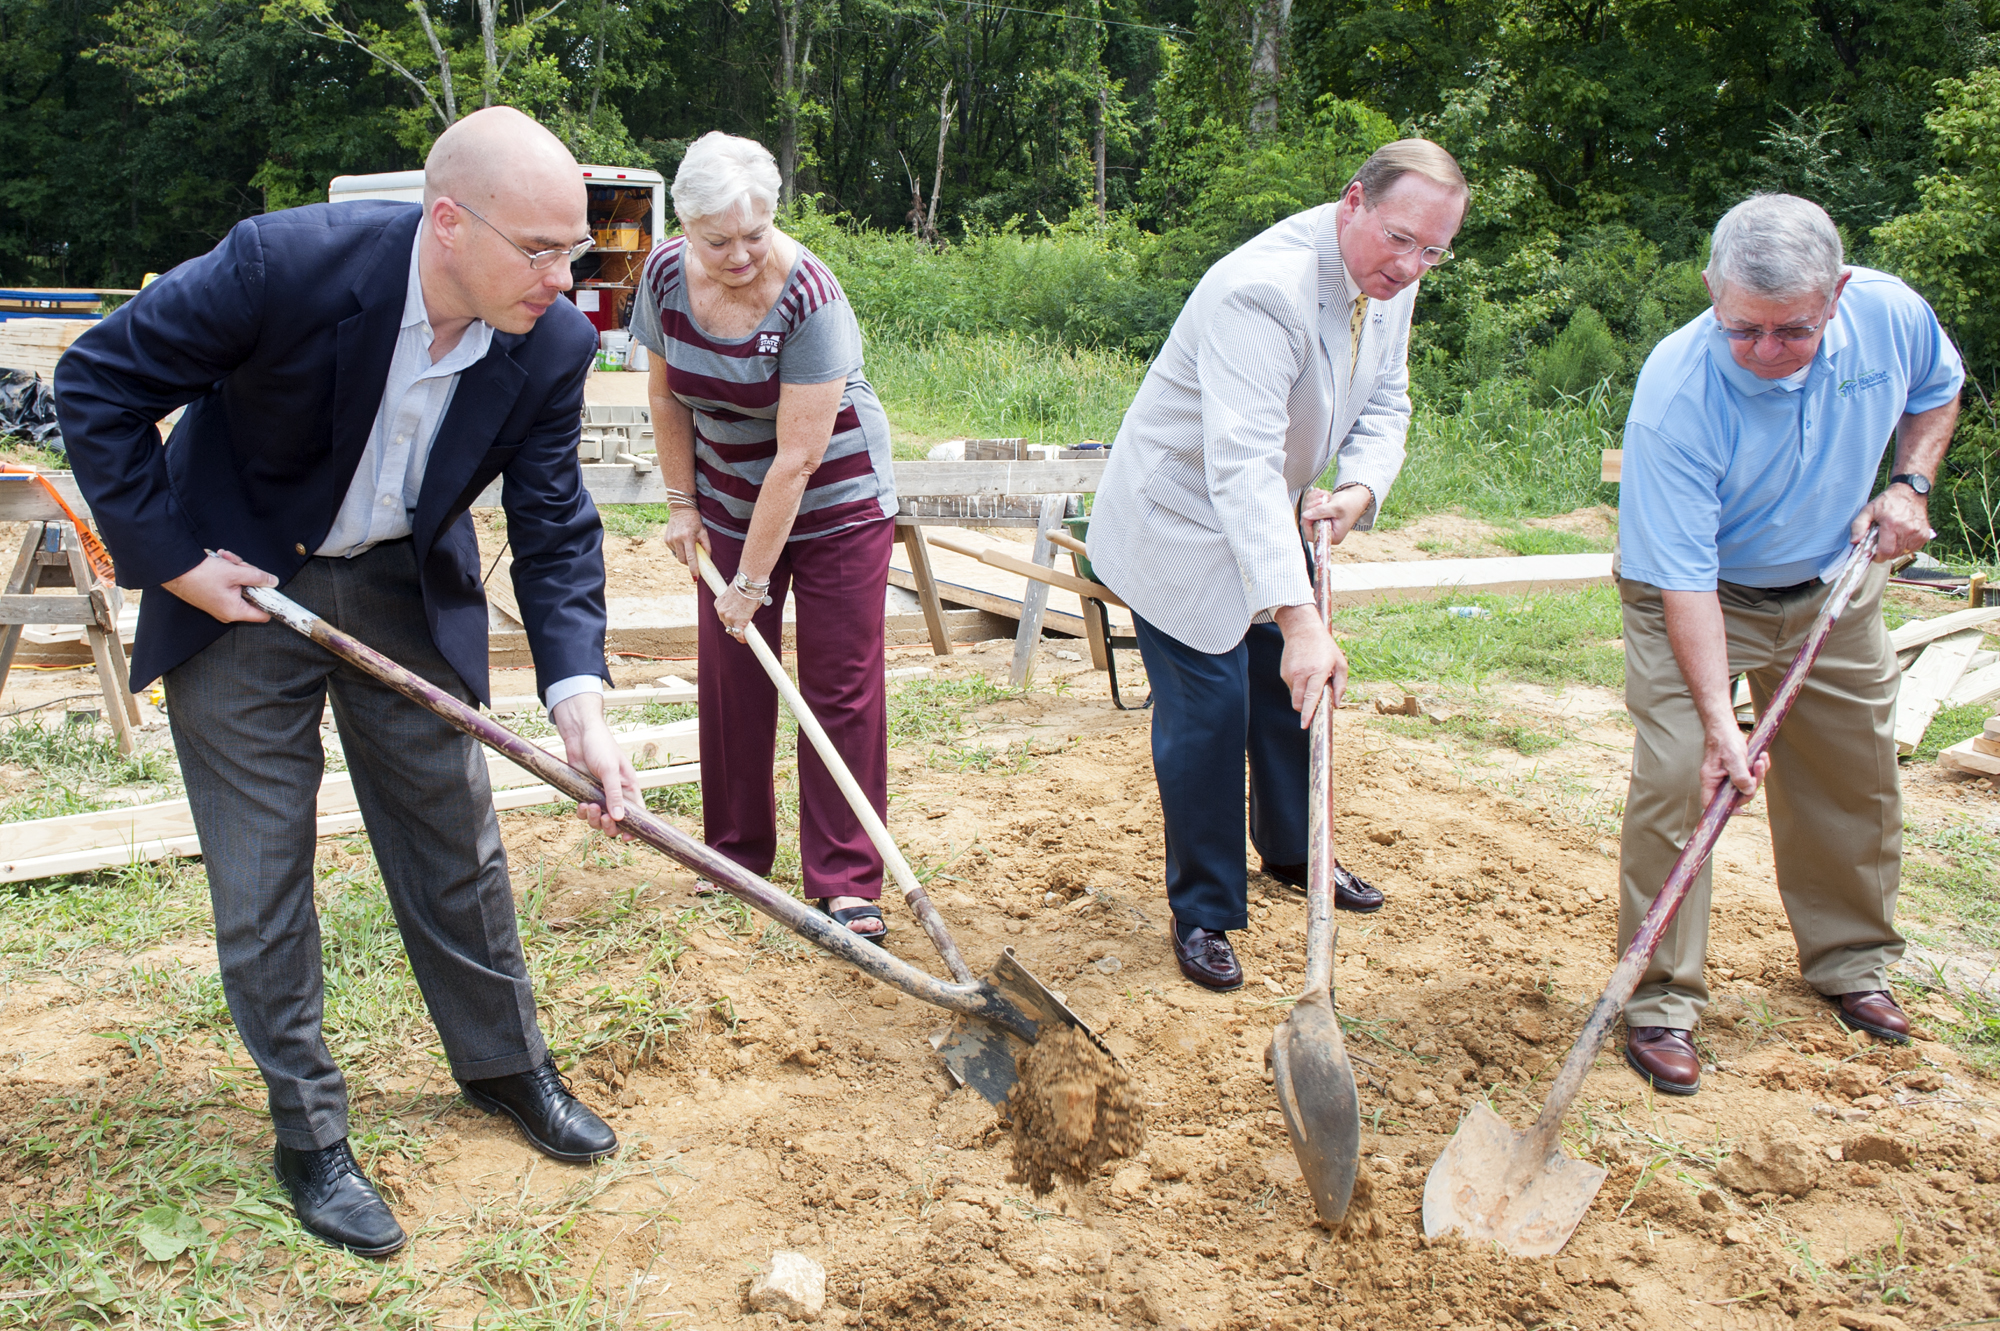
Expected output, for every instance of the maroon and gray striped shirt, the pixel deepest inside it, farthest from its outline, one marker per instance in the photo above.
(731, 385)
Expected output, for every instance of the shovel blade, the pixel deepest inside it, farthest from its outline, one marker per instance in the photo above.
(1315, 1085)
(981, 1054)
(1492, 1185)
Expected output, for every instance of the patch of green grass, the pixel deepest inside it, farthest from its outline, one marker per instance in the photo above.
(70, 763)
(45, 924)
(1553, 637)
(1000, 386)
(1479, 731)
(1500, 454)
(637, 520)
(1547, 541)
(1950, 726)
(933, 710)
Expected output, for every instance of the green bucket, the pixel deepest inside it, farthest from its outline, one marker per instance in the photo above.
(1080, 529)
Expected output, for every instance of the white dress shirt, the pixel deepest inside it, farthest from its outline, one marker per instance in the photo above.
(390, 475)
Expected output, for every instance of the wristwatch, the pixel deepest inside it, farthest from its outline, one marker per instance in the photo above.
(1914, 481)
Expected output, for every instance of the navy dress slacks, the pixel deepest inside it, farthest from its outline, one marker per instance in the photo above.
(1210, 712)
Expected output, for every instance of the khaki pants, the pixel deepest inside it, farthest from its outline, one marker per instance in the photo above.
(1835, 807)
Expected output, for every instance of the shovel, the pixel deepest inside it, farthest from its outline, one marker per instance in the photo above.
(1308, 1057)
(871, 822)
(1517, 1189)
(998, 1017)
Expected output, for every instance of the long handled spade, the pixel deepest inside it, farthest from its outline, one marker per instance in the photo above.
(1309, 1067)
(998, 1017)
(1517, 1189)
(968, 1051)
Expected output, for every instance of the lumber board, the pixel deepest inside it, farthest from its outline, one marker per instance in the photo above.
(123, 831)
(32, 608)
(1975, 686)
(507, 650)
(621, 483)
(500, 590)
(1612, 466)
(1927, 683)
(1963, 757)
(1920, 631)
(677, 692)
(964, 580)
(118, 856)
(1986, 744)
(997, 558)
(1364, 583)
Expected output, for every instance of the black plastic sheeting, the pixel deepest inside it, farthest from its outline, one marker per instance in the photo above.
(28, 409)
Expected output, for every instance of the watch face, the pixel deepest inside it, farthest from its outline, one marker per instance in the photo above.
(1918, 483)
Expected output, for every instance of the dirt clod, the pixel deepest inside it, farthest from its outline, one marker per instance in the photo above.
(1072, 1110)
(1878, 1148)
(1775, 1161)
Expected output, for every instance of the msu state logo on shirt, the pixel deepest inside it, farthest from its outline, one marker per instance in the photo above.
(767, 343)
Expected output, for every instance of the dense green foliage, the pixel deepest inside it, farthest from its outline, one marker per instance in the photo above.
(1602, 139)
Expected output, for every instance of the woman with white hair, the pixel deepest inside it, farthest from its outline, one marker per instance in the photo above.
(775, 453)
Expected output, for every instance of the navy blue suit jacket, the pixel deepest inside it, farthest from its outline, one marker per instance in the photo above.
(278, 341)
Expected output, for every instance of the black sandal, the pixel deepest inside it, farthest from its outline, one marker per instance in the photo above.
(847, 915)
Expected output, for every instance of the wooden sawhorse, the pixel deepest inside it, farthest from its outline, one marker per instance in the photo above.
(51, 556)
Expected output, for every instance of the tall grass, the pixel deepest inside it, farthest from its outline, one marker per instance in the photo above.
(1502, 456)
(998, 386)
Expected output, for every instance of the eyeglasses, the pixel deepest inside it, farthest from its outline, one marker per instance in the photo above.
(1790, 333)
(538, 260)
(1432, 256)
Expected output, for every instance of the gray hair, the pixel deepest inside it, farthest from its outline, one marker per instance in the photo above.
(723, 172)
(1777, 246)
(1405, 157)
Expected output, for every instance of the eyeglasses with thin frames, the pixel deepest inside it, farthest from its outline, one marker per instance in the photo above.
(1791, 333)
(1432, 256)
(539, 260)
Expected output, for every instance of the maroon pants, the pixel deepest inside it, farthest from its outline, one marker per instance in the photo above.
(838, 584)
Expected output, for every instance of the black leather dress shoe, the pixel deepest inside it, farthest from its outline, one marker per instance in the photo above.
(558, 1124)
(1206, 957)
(1349, 892)
(335, 1201)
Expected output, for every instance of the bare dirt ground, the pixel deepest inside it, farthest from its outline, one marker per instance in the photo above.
(1819, 1180)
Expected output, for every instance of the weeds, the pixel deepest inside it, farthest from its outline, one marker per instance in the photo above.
(1479, 731)
(1553, 638)
(932, 710)
(69, 762)
(1950, 726)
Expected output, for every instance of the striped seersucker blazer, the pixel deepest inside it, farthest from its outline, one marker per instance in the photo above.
(1242, 409)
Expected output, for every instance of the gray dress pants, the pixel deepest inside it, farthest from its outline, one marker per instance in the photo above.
(245, 714)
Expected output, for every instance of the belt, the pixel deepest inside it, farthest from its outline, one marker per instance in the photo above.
(1792, 590)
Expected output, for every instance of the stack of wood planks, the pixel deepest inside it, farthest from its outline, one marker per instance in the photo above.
(1943, 666)
(1979, 755)
(36, 345)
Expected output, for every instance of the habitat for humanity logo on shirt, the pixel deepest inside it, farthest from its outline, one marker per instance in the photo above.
(1866, 380)
(767, 345)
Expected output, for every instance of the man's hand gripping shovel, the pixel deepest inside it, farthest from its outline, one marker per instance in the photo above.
(1518, 1189)
(1308, 1057)
(1000, 1017)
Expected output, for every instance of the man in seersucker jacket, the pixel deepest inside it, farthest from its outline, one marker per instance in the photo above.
(354, 375)
(1292, 353)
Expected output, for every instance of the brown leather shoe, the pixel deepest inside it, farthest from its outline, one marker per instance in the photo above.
(1350, 892)
(1206, 957)
(1874, 1011)
(1665, 1057)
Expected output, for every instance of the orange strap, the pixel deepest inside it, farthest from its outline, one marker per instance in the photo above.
(93, 548)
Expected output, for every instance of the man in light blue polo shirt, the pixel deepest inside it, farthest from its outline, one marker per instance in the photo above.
(1751, 452)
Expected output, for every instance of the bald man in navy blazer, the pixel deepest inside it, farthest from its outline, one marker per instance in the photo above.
(354, 374)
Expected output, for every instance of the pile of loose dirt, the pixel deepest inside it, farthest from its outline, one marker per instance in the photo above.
(1072, 1110)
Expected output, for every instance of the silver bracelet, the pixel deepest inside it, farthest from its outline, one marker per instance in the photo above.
(680, 498)
(744, 585)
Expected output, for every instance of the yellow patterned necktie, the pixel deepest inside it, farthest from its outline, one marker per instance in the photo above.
(1354, 334)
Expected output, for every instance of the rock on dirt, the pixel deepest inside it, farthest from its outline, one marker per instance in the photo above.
(1072, 1110)
(794, 1287)
(1775, 1161)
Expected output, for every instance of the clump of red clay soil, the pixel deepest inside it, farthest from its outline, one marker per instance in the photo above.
(1362, 1220)
(1072, 1110)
